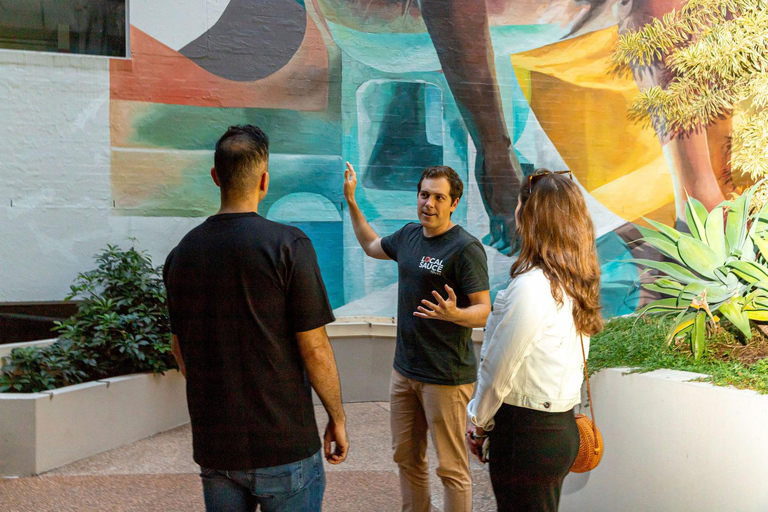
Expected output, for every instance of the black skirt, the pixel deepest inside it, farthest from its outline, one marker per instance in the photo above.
(531, 453)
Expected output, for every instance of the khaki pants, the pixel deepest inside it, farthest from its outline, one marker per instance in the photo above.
(416, 408)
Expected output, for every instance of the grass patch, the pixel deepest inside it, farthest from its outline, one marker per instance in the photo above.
(640, 344)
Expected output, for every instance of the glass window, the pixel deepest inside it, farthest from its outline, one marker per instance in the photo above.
(94, 27)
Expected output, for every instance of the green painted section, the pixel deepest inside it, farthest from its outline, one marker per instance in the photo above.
(186, 127)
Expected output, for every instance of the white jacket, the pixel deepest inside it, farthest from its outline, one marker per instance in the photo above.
(531, 355)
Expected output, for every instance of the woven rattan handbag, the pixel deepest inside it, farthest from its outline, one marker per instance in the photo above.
(590, 438)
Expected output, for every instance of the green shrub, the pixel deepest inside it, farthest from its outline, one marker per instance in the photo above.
(121, 327)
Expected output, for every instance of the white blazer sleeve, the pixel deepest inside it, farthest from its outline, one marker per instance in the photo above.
(529, 301)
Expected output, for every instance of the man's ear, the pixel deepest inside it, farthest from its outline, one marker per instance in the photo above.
(455, 204)
(264, 184)
(215, 177)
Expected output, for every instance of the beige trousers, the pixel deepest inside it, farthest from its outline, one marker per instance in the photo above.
(416, 408)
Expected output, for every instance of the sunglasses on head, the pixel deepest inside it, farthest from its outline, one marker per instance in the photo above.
(534, 178)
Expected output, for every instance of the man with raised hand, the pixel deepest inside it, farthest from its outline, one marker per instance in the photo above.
(442, 294)
(248, 311)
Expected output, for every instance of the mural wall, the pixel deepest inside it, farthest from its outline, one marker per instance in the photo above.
(492, 88)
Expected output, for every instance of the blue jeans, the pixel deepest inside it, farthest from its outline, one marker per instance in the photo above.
(294, 487)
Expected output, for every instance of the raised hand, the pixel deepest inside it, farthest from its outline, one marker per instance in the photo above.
(350, 183)
(445, 309)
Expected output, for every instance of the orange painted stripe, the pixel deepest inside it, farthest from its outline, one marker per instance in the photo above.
(158, 74)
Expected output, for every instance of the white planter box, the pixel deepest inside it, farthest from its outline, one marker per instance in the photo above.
(5, 349)
(673, 445)
(364, 350)
(41, 431)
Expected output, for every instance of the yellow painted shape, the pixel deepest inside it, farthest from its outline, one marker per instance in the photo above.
(583, 108)
(152, 178)
(638, 193)
(584, 61)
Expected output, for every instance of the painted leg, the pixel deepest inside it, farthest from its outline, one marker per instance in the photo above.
(693, 174)
(718, 139)
(688, 156)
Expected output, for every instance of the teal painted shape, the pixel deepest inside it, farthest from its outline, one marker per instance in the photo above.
(400, 132)
(304, 206)
(509, 39)
(498, 287)
(327, 238)
(360, 131)
(316, 174)
(521, 110)
(387, 52)
(619, 292)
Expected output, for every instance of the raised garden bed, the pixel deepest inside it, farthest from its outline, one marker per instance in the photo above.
(41, 431)
(674, 444)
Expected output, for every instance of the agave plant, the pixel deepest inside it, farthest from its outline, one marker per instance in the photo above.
(719, 269)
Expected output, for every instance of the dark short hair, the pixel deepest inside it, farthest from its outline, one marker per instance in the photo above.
(239, 156)
(443, 171)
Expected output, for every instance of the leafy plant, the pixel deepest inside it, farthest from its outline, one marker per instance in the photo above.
(717, 53)
(121, 327)
(720, 267)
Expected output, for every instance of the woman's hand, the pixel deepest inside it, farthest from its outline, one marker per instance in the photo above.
(476, 438)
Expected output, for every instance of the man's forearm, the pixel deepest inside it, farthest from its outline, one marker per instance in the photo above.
(472, 316)
(324, 377)
(363, 231)
(317, 354)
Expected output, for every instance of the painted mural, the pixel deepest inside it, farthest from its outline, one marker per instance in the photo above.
(492, 88)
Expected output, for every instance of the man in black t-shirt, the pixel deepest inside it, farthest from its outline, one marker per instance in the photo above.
(248, 311)
(435, 368)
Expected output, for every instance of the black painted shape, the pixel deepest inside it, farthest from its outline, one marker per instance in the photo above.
(251, 40)
(402, 150)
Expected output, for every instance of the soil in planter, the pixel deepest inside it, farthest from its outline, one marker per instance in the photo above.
(748, 354)
(727, 344)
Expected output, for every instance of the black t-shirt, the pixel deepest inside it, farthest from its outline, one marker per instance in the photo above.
(435, 351)
(239, 288)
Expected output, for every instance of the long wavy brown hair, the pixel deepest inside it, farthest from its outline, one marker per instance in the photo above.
(557, 235)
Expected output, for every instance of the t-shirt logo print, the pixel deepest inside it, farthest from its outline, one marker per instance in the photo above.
(434, 265)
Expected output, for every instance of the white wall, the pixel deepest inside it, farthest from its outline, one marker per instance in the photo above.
(55, 196)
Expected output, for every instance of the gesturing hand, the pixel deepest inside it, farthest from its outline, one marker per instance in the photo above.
(350, 183)
(445, 309)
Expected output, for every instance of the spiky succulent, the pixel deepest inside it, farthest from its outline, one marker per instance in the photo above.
(719, 268)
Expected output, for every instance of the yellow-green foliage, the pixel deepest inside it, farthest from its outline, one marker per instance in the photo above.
(717, 51)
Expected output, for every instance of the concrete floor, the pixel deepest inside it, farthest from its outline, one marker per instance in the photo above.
(158, 474)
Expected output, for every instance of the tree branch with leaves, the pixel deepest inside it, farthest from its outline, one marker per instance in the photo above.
(716, 52)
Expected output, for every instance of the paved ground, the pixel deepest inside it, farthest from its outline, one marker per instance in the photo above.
(158, 474)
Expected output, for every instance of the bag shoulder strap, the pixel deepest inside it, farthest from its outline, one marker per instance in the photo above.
(589, 391)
